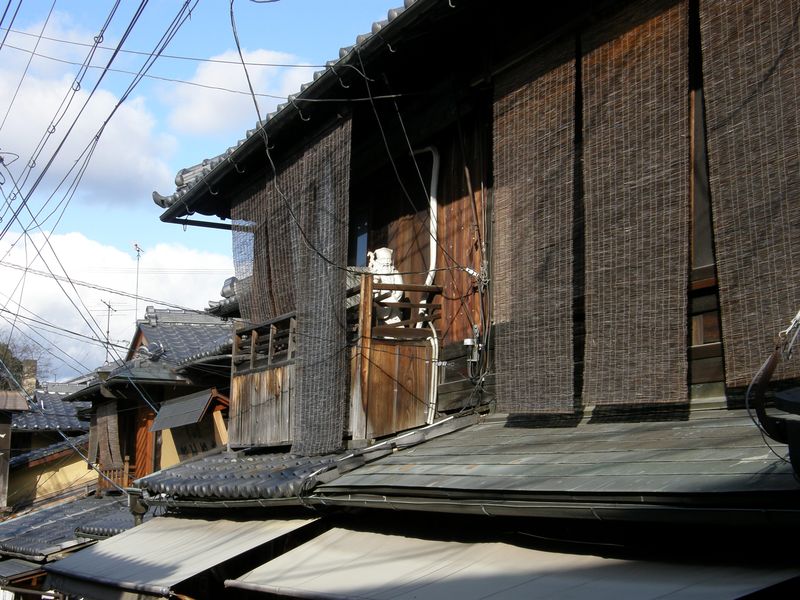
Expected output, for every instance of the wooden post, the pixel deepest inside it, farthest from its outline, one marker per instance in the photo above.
(365, 330)
(291, 342)
(271, 354)
(237, 338)
(253, 343)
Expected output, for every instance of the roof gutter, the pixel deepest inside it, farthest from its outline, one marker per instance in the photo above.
(367, 45)
(591, 510)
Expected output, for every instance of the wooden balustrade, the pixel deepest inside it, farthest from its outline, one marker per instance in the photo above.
(114, 476)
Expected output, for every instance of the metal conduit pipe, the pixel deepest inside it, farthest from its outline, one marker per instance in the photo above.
(433, 227)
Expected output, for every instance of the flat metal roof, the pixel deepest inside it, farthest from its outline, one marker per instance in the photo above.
(343, 563)
(161, 553)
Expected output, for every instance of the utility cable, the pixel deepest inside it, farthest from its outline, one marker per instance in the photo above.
(174, 56)
(35, 406)
(63, 141)
(11, 24)
(27, 65)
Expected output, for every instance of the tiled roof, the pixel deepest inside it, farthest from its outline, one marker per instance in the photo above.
(79, 441)
(109, 525)
(218, 347)
(187, 178)
(181, 334)
(236, 476)
(242, 478)
(38, 534)
(54, 412)
(228, 306)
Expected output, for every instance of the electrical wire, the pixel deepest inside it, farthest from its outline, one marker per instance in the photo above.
(100, 288)
(35, 406)
(13, 18)
(27, 65)
(165, 39)
(174, 56)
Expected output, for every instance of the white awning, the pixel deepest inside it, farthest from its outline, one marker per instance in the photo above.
(355, 564)
(152, 558)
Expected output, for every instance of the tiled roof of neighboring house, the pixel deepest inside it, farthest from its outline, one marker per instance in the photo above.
(236, 476)
(189, 177)
(55, 412)
(40, 534)
(219, 347)
(21, 460)
(173, 336)
(109, 525)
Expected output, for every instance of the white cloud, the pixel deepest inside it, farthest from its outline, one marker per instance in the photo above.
(206, 111)
(131, 157)
(168, 272)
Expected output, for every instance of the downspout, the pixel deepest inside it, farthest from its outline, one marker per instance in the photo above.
(433, 226)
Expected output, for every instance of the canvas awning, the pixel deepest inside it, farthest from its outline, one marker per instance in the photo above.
(342, 563)
(149, 560)
(186, 410)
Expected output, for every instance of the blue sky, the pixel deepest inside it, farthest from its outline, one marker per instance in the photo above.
(162, 127)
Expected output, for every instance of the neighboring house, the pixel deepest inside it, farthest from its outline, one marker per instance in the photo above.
(126, 396)
(43, 466)
(11, 403)
(579, 234)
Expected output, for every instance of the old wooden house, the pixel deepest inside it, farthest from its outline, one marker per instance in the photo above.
(562, 206)
(159, 374)
(511, 268)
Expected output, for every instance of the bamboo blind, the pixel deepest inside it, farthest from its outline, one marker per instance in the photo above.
(534, 127)
(751, 57)
(636, 202)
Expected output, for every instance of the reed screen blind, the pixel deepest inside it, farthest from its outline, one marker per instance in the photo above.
(635, 73)
(290, 243)
(751, 74)
(534, 129)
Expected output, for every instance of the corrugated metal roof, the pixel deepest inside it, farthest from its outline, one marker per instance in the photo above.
(13, 568)
(713, 459)
(343, 563)
(164, 552)
(185, 410)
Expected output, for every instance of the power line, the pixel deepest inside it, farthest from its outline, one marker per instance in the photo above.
(174, 56)
(99, 287)
(35, 406)
(28, 64)
(63, 329)
(177, 22)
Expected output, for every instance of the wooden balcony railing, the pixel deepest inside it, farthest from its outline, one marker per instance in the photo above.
(265, 346)
(115, 476)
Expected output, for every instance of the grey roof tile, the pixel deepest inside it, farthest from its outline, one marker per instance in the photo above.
(38, 534)
(21, 460)
(230, 476)
(55, 412)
